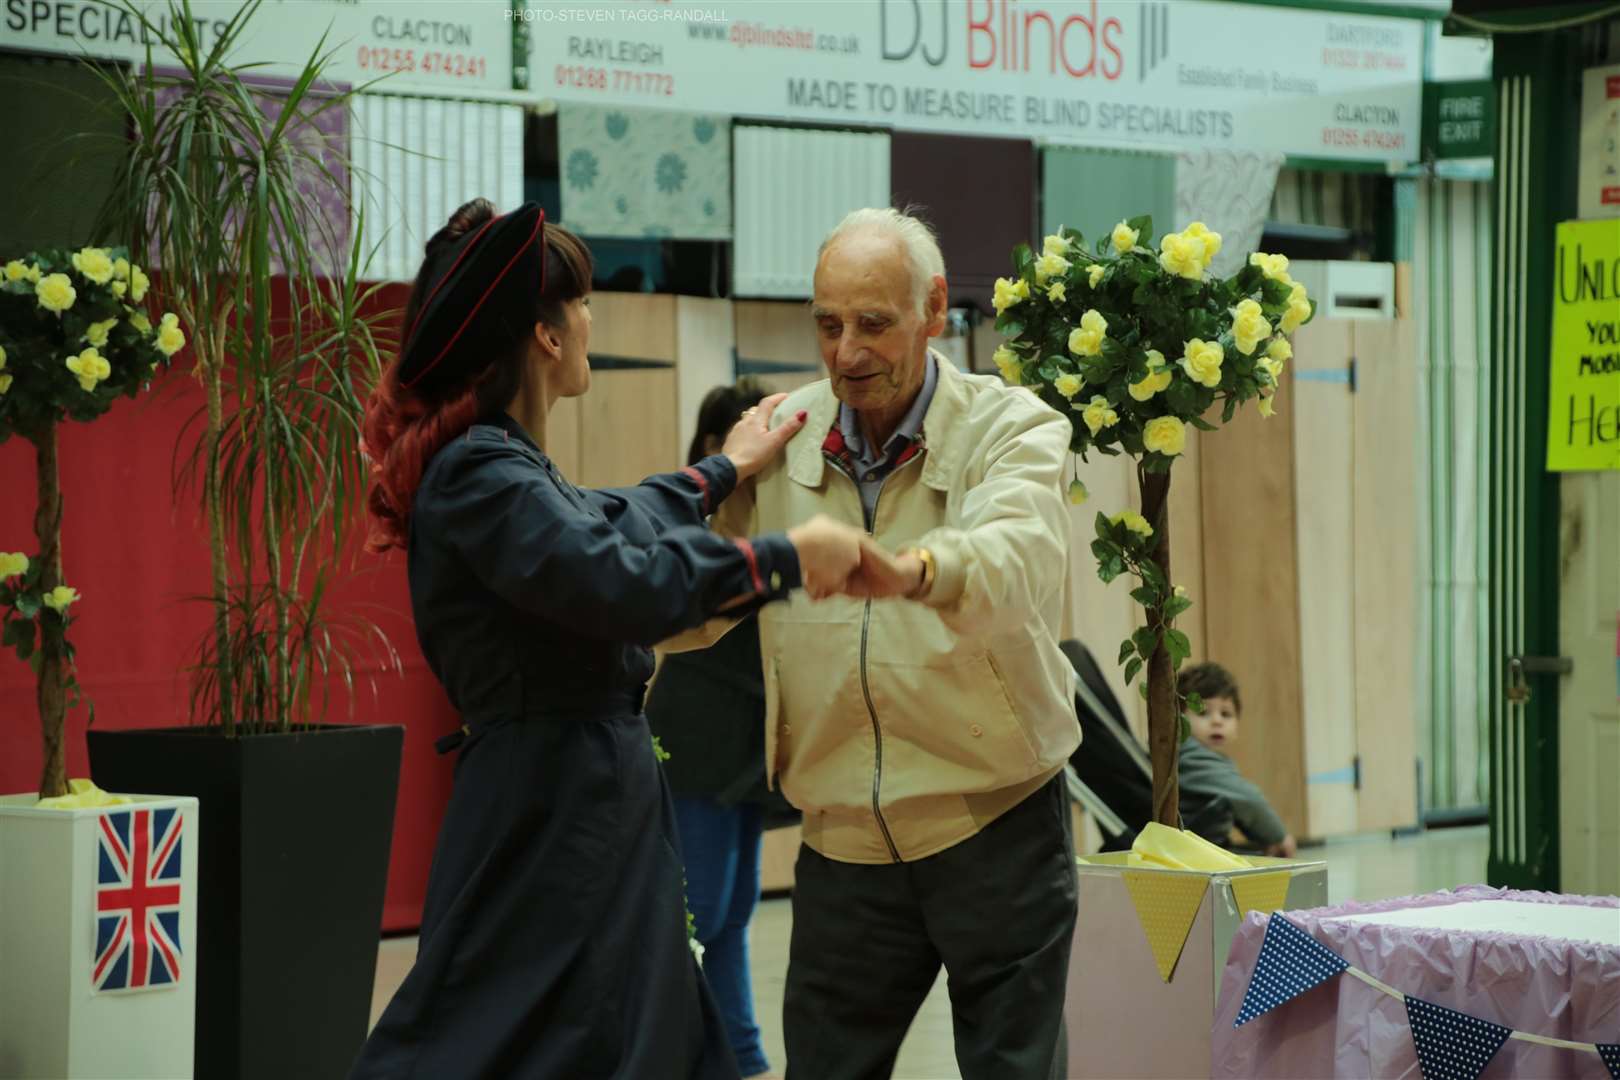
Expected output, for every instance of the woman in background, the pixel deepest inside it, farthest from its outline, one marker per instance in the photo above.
(553, 940)
(707, 709)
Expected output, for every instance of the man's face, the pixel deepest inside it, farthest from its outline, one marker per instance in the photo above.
(874, 341)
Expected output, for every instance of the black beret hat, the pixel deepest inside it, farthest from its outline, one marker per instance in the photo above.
(466, 322)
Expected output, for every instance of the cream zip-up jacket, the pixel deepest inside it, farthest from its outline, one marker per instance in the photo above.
(901, 728)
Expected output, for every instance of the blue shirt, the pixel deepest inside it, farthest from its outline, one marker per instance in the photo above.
(872, 468)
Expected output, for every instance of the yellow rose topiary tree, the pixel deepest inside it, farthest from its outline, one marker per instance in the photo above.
(1136, 344)
(74, 337)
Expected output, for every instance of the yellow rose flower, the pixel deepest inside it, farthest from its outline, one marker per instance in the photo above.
(1057, 292)
(15, 270)
(1272, 368)
(1077, 493)
(1298, 311)
(98, 331)
(1050, 266)
(5, 383)
(1182, 255)
(169, 338)
(1055, 245)
(94, 264)
(13, 563)
(1124, 237)
(90, 366)
(1249, 326)
(1280, 350)
(139, 321)
(1135, 522)
(1266, 405)
(137, 284)
(2, 357)
(1179, 591)
(119, 288)
(1095, 274)
(1087, 338)
(56, 293)
(1202, 362)
(1068, 385)
(121, 268)
(1210, 240)
(1150, 384)
(32, 275)
(1007, 361)
(1008, 293)
(1098, 415)
(60, 597)
(1165, 435)
(1274, 267)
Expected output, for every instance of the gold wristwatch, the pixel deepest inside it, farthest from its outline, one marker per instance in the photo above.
(927, 559)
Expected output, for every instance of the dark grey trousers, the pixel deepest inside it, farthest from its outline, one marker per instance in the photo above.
(998, 910)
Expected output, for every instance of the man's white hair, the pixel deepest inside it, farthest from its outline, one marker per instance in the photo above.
(916, 238)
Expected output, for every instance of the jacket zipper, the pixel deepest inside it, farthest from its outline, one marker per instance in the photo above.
(866, 690)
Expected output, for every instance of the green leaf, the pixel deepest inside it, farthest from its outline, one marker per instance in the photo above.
(1126, 648)
(1145, 595)
(1132, 668)
(1231, 407)
(1178, 645)
(1102, 525)
(1195, 703)
(1111, 569)
(1146, 640)
(1183, 729)
(28, 605)
(35, 662)
(1143, 224)
(1201, 424)
(1176, 605)
(1153, 575)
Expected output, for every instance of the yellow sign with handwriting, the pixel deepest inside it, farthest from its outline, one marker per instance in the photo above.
(1583, 409)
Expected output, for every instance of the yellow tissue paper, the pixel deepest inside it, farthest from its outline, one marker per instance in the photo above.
(1178, 849)
(85, 795)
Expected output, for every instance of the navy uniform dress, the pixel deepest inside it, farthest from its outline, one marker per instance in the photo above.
(553, 938)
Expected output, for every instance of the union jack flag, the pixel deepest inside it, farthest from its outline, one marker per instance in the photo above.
(138, 900)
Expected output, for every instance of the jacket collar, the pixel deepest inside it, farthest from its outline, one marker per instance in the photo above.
(807, 465)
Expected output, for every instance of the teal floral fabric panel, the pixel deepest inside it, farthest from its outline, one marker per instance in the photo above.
(645, 172)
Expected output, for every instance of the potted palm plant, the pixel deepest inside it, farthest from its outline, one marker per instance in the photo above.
(76, 334)
(1138, 344)
(239, 192)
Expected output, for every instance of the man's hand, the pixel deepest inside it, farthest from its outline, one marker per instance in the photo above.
(752, 444)
(881, 574)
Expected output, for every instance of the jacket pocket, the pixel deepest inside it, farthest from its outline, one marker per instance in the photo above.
(949, 730)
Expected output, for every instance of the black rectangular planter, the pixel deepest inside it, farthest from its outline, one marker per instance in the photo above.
(292, 868)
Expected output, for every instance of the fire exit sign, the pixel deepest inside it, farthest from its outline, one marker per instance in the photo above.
(1459, 119)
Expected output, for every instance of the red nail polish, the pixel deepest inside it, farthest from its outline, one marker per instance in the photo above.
(803, 415)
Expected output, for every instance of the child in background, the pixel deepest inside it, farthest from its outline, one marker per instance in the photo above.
(1206, 770)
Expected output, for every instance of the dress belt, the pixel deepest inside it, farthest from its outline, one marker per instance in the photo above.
(560, 708)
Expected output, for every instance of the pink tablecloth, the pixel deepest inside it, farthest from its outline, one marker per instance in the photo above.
(1544, 985)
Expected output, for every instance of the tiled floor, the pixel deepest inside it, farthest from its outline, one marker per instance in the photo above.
(1359, 868)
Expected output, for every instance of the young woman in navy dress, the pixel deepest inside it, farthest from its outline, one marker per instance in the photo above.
(553, 940)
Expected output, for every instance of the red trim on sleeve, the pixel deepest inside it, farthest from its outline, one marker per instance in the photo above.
(703, 485)
(753, 565)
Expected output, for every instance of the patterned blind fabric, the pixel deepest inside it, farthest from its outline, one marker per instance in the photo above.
(1230, 191)
(645, 173)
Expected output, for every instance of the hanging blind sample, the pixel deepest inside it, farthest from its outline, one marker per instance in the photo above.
(792, 186)
(417, 159)
(644, 172)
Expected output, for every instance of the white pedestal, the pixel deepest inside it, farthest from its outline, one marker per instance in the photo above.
(53, 1022)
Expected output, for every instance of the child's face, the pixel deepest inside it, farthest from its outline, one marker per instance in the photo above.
(1217, 726)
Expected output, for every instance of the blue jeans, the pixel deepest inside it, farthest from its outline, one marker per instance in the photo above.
(721, 847)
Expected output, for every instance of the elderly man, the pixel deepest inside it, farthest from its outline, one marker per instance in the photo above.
(921, 717)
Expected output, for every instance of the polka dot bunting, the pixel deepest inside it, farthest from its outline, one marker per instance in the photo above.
(1290, 963)
(1166, 905)
(1610, 1053)
(1452, 1045)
